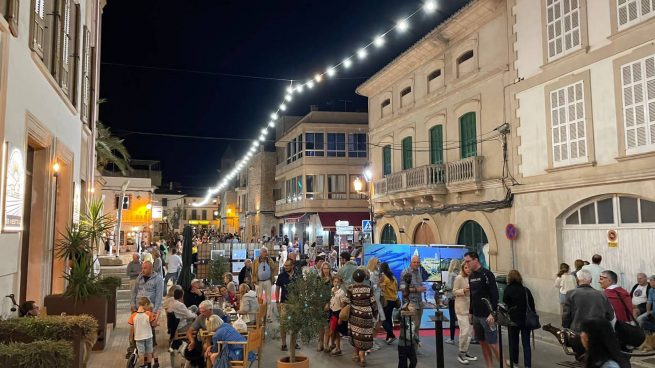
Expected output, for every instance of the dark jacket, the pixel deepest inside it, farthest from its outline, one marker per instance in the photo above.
(193, 299)
(518, 297)
(245, 272)
(632, 291)
(585, 302)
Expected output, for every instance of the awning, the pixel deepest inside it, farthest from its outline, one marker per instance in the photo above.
(328, 219)
(294, 218)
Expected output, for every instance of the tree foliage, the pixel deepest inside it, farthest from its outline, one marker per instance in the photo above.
(110, 150)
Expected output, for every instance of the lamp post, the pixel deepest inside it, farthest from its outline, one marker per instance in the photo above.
(358, 184)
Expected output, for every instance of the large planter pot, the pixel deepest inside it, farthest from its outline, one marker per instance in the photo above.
(77, 343)
(95, 306)
(301, 362)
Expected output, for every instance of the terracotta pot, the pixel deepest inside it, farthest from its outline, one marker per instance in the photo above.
(301, 362)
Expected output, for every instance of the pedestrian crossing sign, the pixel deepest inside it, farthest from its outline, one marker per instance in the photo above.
(367, 227)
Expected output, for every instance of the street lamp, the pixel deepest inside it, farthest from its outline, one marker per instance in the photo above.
(358, 185)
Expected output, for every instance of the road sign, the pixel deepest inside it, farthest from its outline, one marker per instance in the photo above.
(345, 230)
(511, 232)
(612, 238)
(367, 226)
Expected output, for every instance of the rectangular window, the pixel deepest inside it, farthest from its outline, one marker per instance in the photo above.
(86, 75)
(407, 153)
(314, 186)
(299, 144)
(568, 125)
(336, 186)
(204, 215)
(467, 136)
(357, 145)
(289, 152)
(194, 214)
(39, 27)
(386, 160)
(563, 26)
(314, 144)
(164, 202)
(294, 189)
(436, 144)
(638, 87)
(336, 144)
(631, 12)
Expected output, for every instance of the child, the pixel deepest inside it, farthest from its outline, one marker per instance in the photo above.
(337, 327)
(141, 331)
(407, 343)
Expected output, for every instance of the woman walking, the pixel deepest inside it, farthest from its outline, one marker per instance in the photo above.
(518, 298)
(598, 338)
(389, 289)
(363, 311)
(453, 271)
(565, 281)
(462, 294)
(324, 332)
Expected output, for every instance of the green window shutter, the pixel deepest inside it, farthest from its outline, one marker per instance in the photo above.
(407, 153)
(386, 160)
(436, 144)
(468, 142)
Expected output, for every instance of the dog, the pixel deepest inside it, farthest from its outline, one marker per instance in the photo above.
(648, 345)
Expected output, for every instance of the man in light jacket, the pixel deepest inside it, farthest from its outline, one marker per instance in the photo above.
(263, 271)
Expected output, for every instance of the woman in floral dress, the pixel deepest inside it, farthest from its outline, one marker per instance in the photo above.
(363, 312)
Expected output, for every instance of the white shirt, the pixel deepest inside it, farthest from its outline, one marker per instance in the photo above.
(174, 263)
(595, 271)
(142, 329)
(639, 296)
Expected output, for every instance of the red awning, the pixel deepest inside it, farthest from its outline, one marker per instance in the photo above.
(328, 219)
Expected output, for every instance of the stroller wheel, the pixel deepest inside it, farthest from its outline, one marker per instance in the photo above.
(132, 360)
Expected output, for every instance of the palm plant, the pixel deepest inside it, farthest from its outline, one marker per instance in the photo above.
(111, 150)
(95, 224)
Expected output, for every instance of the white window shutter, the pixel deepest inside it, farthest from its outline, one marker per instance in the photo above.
(638, 83)
(631, 12)
(38, 31)
(568, 125)
(563, 26)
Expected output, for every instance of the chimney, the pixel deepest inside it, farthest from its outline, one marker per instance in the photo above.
(313, 107)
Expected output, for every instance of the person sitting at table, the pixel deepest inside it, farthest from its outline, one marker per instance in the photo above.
(194, 296)
(249, 305)
(181, 312)
(226, 333)
(227, 296)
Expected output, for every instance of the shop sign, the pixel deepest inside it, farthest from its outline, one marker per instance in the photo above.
(77, 199)
(14, 190)
(157, 212)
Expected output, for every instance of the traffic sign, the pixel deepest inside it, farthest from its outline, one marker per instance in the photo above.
(511, 232)
(367, 226)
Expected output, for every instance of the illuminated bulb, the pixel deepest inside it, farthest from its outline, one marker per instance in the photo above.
(330, 71)
(299, 88)
(430, 6)
(264, 131)
(318, 78)
(289, 90)
(347, 63)
(255, 143)
(402, 25)
(288, 98)
(274, 116)
(271, 124)
(310, 84)
(379, 41)
(361, 53)
(283, 107)
(56, 167)
(262, 137)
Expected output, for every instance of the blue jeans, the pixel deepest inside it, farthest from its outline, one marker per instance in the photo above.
(514, 332)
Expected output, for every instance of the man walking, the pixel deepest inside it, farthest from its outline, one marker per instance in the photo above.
(286, 277)
(411, 278)
(173, 269)
(148, 284)
(482, 284)
(595, 269)
(262, 274)
(134, 269)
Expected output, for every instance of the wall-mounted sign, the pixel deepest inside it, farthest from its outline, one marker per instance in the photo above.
(14, 190)
(157, 212)
(612, 238)
(77, 200)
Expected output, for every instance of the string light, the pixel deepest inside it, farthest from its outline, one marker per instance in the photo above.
(428, 6)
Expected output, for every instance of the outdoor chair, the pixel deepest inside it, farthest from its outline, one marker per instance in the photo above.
(253, 343)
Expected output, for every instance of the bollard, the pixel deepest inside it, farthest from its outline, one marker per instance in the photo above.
(438, 320)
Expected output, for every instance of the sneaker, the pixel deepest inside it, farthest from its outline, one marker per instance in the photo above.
(336, 352)
(449, 341)
(475, 342)
(391, 340)
(470, 357)
(462, 359)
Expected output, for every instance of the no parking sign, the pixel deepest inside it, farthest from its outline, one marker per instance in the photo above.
(511, 232)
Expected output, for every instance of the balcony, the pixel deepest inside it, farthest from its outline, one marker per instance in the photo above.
(432, 180)
(284, 167)
(300, 203)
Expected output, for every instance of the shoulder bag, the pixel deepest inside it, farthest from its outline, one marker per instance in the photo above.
(627, 333)
(531, 317)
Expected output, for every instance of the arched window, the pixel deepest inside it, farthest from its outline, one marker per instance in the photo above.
(465, 56)
(406, 96)
(385, 108)
(473, 236)
(434, 75)
(388, 235)
(405, 92)
(617, 210)
(465, 63)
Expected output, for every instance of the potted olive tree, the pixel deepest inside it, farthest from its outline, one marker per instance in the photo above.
(84, 293)
(305, 314)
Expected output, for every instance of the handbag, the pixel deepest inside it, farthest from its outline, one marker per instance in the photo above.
(531, 317)
(627, 333)
(344, 313)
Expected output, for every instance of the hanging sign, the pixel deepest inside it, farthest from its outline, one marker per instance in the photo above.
(14, 190)
(612, 238)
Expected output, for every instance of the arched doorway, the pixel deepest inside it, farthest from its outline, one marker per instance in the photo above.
(472, 235)
(388, 235)
(423, 234)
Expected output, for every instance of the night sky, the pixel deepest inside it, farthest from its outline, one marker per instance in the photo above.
(164, 64)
